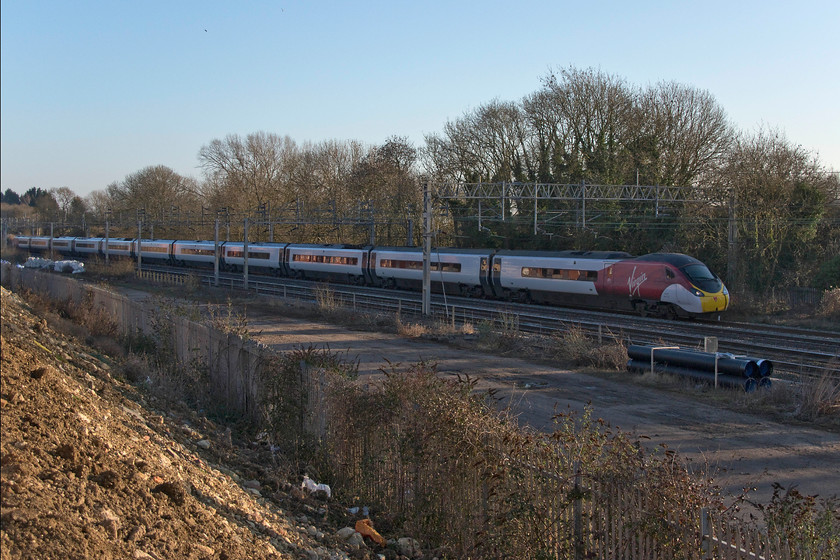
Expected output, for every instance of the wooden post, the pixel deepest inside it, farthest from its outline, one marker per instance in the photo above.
(705, 534)
(578, 506)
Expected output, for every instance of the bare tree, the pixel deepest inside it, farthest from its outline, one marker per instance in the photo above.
(687, 134)
(781, 194)
(98, 202)
(247, 172)
(155, 189)
(550, 136)
(488, 144)
(63, 197)
(597, 112)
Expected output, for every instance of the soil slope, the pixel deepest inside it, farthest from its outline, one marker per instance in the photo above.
(94, 468)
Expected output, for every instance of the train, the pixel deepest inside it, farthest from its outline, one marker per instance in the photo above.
(659, 284)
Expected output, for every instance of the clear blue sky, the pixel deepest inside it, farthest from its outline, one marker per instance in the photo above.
(94, 91)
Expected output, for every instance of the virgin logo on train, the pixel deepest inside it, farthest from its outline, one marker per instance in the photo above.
(635, 282)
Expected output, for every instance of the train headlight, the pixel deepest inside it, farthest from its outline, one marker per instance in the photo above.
(697, 292)
(725, 291)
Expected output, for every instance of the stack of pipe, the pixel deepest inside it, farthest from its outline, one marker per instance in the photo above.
(732, 371)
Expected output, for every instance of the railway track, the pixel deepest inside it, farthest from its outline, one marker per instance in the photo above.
(795, 352)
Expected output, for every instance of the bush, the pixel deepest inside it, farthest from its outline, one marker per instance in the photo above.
(828, 276)
(578, 347)
(830, 305)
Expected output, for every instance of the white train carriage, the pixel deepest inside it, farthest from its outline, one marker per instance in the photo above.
(63, 245)
(340, 263)
(22, 242)
(262, 257)
(455, 271)
(39, 244)
(195, 253)
(559, 277)
(119, 247)
(156, 250)
(85, 246)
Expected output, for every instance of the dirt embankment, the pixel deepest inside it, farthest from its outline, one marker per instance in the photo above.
(93, 467)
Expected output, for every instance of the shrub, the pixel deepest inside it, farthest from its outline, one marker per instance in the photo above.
(830, 305)
(811, 523)
(325, 298)
(820, 397)
(578, 347)
(228, 320)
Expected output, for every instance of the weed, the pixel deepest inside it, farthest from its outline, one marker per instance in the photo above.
(227, 320)
(325, 298)
(192, 283)
(821, 396)
(412, 330)
(509, 323)
(575, 345)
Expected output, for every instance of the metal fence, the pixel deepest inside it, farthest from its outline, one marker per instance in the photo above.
(571, 516)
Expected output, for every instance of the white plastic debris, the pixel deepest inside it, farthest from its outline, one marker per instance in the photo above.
(312, 486)
(36, 262)
(73, 267)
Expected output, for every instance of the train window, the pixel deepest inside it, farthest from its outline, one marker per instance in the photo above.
(327, 259)
(559, 274)
(194, 251)
(418, 265)
(669, 274)
(238, 253)
(497, 265)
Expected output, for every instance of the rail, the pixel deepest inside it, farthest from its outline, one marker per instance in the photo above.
(796, 353)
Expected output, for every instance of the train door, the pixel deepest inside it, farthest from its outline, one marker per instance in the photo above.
(366, 259)
(484, 278)
(496, 272)
(370, 268)
(608, 280)
(284, 260)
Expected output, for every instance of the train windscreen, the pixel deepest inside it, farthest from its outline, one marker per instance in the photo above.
(702, 277)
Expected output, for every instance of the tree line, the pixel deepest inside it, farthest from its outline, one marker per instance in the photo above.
(760, 209)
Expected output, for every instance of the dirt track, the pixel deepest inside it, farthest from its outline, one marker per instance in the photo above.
(739, 450)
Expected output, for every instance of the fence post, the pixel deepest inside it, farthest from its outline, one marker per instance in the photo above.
(578, 512)
(304, 378)
(705, 534)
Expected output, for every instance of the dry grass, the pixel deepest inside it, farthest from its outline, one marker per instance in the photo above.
(325, 298)
(116, 268)
(820, 397)
(411, 330)
(581, 349)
